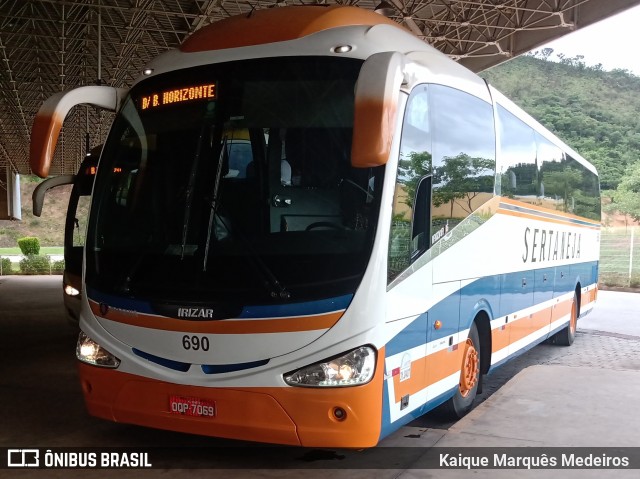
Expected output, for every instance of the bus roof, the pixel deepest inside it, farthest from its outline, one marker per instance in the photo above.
(277, 25)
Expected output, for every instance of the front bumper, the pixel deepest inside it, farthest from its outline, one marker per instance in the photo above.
(279, 415)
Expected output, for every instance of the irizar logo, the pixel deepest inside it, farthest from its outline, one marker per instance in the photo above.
(195, 313)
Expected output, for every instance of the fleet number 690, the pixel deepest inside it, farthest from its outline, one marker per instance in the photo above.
(196, 343)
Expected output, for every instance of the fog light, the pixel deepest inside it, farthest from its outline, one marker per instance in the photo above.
(351, 369)
(71, 291)
(339, 413)
(90, 352)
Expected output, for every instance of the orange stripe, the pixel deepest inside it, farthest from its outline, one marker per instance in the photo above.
(530, 325)
(413, 384)
(546, 220)
(500, 338)
(429, 370)
(516, 330)
(561, 309)
(522, 204)
(588, 297)
(440, 365)
(226, 326)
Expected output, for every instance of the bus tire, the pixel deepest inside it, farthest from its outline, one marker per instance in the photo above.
(566, 336)
(460, 404)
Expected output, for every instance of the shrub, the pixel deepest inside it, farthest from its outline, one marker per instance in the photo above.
(29, 245)
(57, 267)
(5, 266)
(35, 264)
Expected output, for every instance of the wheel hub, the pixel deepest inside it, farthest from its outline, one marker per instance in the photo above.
(470, 367)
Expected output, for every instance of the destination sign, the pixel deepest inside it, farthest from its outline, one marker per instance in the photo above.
(178, 95)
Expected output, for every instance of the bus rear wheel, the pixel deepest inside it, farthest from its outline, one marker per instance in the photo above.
(460, 404)
(566, 336)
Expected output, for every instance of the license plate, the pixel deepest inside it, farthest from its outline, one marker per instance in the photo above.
(189, 406)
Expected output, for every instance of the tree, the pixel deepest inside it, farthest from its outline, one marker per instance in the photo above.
(626, 198)
(462, 177)
(411, 170)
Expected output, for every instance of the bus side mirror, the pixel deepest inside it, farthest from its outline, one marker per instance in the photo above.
(41, 190)
(48, 121)
(376, 109)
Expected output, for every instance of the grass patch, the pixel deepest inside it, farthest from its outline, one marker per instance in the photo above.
(43, 250)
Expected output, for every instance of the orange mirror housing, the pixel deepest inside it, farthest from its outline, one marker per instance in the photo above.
(376, 104)
(48, 121)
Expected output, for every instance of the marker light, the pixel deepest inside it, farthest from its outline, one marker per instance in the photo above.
(71, 291)
(147, 71)
(342, 49)
(351, 369)
(90, 352)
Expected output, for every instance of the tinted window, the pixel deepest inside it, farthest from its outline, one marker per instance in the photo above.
(238, 189)
(517, 167)
(565, 184)
(446, 169)
(409, 235)
(463, 156)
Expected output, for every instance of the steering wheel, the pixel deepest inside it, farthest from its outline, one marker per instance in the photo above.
(324, 224)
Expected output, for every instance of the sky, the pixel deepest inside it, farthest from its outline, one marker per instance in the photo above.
(612, 42)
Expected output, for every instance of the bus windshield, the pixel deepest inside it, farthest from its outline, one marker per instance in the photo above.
(233, 182)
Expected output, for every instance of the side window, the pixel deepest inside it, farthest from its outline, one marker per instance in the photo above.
(587, 197)
(558, 178)
(410, 227)
(517, 171)
(565, 184)
(463, 157)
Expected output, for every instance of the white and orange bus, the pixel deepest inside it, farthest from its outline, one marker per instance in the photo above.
(309, 227)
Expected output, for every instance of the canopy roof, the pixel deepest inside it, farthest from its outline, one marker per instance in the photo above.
(47, 46)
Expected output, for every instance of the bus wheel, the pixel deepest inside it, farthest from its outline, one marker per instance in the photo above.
(568, 334)
(460, 403)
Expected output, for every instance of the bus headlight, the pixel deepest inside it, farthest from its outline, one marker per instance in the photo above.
(71, 291)
(90, 352)
(351, 369)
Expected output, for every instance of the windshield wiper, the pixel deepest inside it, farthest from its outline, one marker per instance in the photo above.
(275, 289)
(189, 194)
(214, 202)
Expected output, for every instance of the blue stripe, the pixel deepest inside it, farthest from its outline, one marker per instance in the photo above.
(167, 363)
(229, 368)
(306, 308)
(497, 295)
(120, 302)
(414, 335)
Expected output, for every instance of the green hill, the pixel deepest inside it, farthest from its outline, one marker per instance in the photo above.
(592, 110)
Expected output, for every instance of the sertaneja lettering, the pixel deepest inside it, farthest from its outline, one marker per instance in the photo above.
(544, 245)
